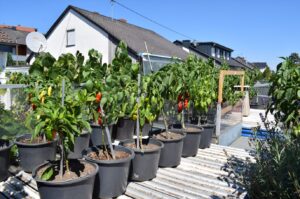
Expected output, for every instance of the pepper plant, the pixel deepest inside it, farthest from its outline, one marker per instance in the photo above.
(58, 113)
(203, 85)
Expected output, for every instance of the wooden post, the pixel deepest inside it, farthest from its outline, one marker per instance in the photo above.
(220, 94)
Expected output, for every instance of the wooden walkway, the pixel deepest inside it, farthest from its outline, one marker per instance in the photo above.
(203, 176)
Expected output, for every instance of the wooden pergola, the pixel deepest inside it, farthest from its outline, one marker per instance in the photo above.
(223, 73)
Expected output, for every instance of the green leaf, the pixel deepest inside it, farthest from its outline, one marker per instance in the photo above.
(47, 174)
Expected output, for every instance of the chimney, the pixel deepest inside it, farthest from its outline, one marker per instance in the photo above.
(122, 20)
(186, 43)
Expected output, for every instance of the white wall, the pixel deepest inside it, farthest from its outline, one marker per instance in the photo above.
(87, 36)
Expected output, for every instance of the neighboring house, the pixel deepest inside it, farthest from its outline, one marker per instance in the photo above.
(260, 65)
(77, 29)
(12, 40)
(212, 50)
(243, 61)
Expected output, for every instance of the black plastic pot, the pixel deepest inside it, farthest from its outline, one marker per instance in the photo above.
(170, 155)
(191, 141)
(145, 163)
(98, 135)
(32, 155)
(5, 147)
(80, 188)
(206, 135)
(124, 129)
(81, 143)
(111, 180)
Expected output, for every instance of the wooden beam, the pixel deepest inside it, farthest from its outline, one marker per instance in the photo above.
(221, 81)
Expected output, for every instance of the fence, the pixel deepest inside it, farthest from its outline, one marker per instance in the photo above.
(262, 97)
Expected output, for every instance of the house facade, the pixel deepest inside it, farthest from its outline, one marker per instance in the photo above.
(260, 65)
(211, 50)
(81, 30)
(12, 43)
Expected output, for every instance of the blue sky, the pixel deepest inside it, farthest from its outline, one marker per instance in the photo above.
(260, 30)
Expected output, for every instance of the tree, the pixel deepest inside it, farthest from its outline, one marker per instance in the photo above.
(267, 74)
(295, 57)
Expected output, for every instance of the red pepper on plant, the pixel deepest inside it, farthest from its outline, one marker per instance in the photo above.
(33, 106)
(179, 107)
(186, 103)
(98, 97)
(179, 98)
(99, 120)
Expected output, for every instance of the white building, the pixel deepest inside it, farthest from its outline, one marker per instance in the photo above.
(81, 30)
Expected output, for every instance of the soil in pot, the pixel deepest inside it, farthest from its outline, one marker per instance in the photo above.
(81, 143)
(170, 155)
(35, 152)
(124, 129)
(191, 141)
(144, 166)
(206, 135)
(111, 180)
(98, 135)
(78, 182)
(5, 147)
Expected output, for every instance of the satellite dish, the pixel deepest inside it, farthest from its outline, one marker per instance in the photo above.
(36, 42)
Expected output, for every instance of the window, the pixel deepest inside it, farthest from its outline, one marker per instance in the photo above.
(213, 51)
(218, 53)
(227, 55)
(70, 38)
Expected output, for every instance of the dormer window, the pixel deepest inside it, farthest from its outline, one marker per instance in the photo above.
(218, 53)
(213, 53)
(227, 55)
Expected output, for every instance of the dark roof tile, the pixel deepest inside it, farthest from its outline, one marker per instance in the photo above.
(133, 35)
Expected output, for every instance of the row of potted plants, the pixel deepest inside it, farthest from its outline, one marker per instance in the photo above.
(70, 97)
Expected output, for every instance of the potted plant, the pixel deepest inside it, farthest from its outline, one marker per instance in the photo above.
(46, 69)
(125, 73)
(113, 161)
(203, 89)
(165, 82)
(7, 132)
(181, 93)
(36, 147)
(147, 151)
(60, 115)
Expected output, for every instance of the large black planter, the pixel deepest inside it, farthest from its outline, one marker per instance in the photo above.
(145, 163)
(98, 135)
(124, 129)
(80, 188)
(191, 141)
(81, 143)
(32, 155)
(206, 135)
(170, 155)
(111, 180)
(5, 147)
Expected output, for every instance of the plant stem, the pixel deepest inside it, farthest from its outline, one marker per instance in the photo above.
(108, 134)
(182, 119)
(199, 120)
(67, 166)
(138, 113)
(61, 158)
(165, 121)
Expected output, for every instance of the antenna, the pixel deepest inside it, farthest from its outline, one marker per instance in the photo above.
(36, 42)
